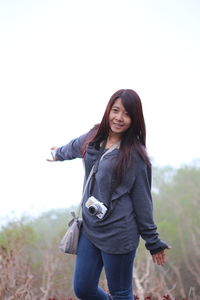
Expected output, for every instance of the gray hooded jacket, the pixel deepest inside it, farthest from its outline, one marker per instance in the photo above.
(130, 212)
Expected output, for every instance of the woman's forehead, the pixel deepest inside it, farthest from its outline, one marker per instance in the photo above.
(118, 103)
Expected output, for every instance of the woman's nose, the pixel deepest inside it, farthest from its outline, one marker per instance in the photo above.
(119, 116)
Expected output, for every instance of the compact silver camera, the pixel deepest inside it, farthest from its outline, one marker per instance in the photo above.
(95, 207)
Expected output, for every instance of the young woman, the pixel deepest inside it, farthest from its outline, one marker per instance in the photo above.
(119, 209)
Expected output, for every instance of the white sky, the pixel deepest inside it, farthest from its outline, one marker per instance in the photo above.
(60, 61)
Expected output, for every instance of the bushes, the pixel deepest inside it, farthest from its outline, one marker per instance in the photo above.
(32, 267)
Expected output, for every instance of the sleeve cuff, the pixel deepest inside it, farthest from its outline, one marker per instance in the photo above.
(57, 154)
(158, 247)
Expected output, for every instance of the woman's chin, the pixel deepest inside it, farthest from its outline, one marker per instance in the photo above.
(115, 131)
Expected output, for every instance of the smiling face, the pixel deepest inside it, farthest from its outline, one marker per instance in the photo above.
(119, 119)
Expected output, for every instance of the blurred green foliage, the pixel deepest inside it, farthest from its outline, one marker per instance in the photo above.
(176, 198)
(177, 205)
(18, 234)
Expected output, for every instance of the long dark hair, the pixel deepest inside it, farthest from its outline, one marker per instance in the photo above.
(133, 138)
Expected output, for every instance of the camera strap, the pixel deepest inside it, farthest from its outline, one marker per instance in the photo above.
(94, 171)
(96, 165)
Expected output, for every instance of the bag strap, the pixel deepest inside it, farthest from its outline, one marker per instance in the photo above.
(77, 214)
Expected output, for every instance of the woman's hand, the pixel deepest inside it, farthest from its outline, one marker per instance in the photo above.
(53, 153)
(160, 257)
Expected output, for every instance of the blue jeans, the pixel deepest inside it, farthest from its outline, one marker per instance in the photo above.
(89, 263)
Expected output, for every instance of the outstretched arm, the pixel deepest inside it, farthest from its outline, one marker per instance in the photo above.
(69, 151)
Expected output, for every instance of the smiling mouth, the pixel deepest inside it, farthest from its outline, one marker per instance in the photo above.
(118, 125)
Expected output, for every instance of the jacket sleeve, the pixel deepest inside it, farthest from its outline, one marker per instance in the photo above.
(71, 150)
(143, 209)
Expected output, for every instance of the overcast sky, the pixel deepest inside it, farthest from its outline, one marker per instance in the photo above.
(60, 61)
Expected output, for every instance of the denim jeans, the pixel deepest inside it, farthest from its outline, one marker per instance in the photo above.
(89, 263)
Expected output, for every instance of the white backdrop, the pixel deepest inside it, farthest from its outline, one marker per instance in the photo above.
(60, 61)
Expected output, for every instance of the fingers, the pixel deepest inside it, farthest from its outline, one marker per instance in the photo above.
(51, 160)
(53, 153)
(159, 258)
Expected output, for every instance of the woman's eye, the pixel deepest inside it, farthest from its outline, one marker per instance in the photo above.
(115, 110)
(126, 113)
